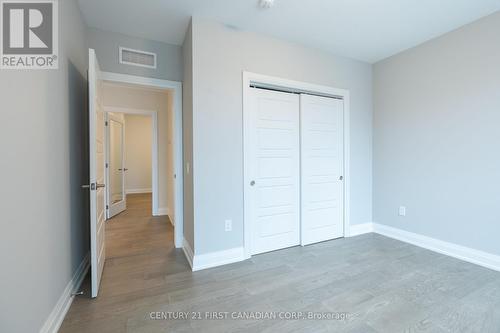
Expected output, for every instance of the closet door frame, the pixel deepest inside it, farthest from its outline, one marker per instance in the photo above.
(264, 81)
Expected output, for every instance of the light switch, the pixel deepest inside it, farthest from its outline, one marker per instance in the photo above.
(402, 211)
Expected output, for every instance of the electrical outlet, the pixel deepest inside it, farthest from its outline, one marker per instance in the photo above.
(402, 211)
(228, 225)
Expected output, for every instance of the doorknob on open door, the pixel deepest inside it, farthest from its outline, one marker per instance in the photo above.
(93, 186)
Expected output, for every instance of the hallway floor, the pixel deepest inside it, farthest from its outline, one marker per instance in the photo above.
(139, 255)
(383, 285)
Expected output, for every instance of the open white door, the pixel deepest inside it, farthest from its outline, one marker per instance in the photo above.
(97, 193)
(322, 161)
(115, 134)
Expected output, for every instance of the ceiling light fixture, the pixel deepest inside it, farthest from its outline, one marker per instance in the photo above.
(266, 3)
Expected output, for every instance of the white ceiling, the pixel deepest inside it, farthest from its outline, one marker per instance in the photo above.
(368, 30)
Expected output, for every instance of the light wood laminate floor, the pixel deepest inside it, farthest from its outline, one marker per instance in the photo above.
(382, 284)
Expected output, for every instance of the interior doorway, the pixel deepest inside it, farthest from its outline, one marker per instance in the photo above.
(140, 147)
(132, 159)
(163, 204)
(111, 97)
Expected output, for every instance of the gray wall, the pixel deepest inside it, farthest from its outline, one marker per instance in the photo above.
(187, 132)
(106, 45)
(437, 137)
(43, 144)
(220, 55)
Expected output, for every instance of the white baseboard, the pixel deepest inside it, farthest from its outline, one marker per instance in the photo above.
(481, 258)
(477, 257)
(188, 252)
(212, 259)
(138, 190)
(162, 211)
(171, 219)
(56, 317)
(219, 258)
(360, 229)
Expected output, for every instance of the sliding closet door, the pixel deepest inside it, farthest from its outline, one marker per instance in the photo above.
(322, 153)
(273, 162)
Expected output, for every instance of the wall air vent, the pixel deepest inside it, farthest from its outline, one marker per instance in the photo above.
(137, 58)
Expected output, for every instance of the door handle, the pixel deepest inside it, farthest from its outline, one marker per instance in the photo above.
(93, 186)
(123, 169)
(252, 183)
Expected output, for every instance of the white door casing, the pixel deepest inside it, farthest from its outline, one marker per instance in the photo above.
(274, 197)
(322, 164)
(176, 87)
(97, 174)
(116, 167)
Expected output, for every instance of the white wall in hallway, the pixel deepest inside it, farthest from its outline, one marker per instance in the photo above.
(138, 142)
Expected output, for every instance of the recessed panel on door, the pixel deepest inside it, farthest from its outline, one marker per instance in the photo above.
(322, 160)
(274, 197)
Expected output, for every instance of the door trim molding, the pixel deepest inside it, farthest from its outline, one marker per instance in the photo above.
(176, 88)
(278, 83)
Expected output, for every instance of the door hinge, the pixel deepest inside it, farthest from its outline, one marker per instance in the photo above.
(107, 165)
(106, 123)
(107, 207)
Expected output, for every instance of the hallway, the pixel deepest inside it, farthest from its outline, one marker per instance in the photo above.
(139, 254)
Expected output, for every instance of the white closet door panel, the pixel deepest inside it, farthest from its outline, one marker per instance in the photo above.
(322, 163)
(274, 199)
